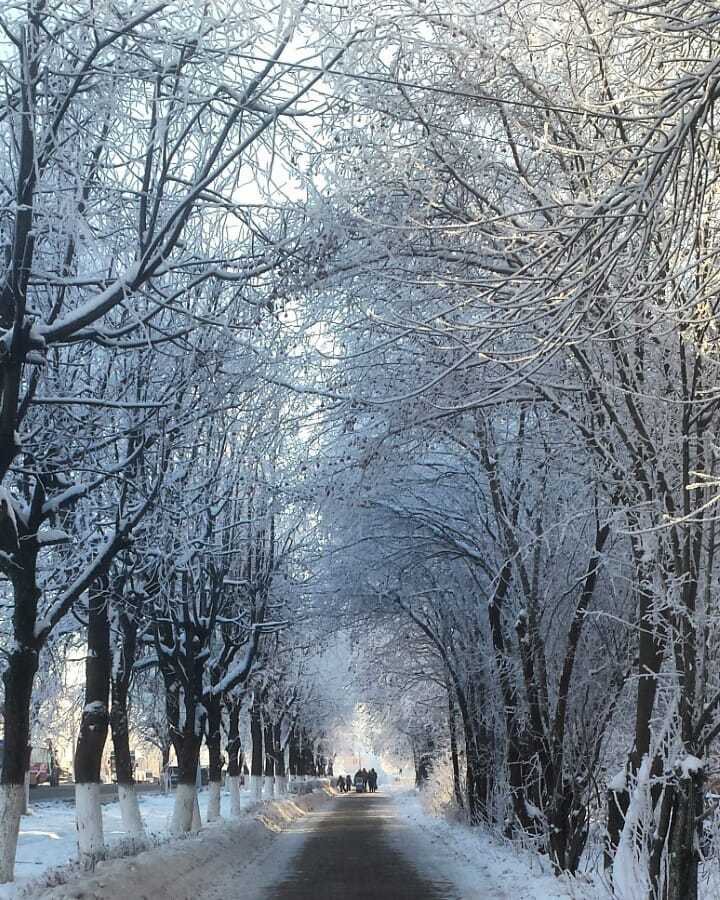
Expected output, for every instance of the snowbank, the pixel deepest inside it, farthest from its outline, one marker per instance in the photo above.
(479, 865)
(48, 837)
(48, 842)
(184, 868)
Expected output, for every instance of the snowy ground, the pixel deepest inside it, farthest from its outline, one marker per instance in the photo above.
(237, 858)
(483, 867)
(247, 853)
(48, 839)
(254, 852)
(480, 866)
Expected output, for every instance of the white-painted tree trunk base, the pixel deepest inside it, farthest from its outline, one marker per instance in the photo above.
(196, 823)
(182, 817)
(88, 815)
(281, 785)
(234, 788)
(256, 787)
(130, 810)
(269, 788)
(213, 810)
(12, 797)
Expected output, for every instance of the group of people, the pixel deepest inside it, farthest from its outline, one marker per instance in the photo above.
(369, 781)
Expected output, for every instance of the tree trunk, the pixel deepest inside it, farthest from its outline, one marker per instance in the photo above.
(256, 762)
(213, 741)
(93, 729)
(183, 809)
(682, 870)
(617, 807)
(472, 778)
(187, 749)
(307, 758)
(18, 678)
(476, 785)
(649, 662)
(293, 753)
(269, 736)
(186, 739)
(280, 776)
(126, 636)
(452, 728)
(423, 755)
(233, 750)
(560, 827)
(165, 765)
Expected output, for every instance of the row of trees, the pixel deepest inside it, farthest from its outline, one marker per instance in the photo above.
(525, 406)
(143, 446)
(491, 297)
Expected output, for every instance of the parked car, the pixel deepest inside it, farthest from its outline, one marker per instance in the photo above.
(173, 773)
(43, 766)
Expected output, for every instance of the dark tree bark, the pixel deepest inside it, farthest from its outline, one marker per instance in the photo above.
(307, 756)
(477, 763)
(649, 665)
(279, 751)
(568, 805)
(256, 737)
(293, 753)
(617, 807)
(233, 747)
(18, 679)
(182, 664)
(95, 720)
(126, 636)
(213, 738)
(187, 750)
(185, 731)
(684, 836)
(424, 750)
(452, 728)
(269, 736)
(22, 661)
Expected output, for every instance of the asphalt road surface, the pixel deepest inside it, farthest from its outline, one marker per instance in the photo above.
(355, 853)
(108, 792)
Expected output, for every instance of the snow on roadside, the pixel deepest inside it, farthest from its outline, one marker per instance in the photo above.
(48, 837)
(479, 865)
(212, 864)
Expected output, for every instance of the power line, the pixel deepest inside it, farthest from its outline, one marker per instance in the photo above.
(490, 98)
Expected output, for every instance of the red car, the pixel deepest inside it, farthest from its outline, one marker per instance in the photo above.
(43, 768)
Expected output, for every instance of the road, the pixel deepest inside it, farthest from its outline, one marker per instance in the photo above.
(66, 792)
(354, 852)
(353, 847)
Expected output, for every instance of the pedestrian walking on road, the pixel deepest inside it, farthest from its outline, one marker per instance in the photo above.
(341, 784)
(373, 779)
(348, 784)
(364, 773)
